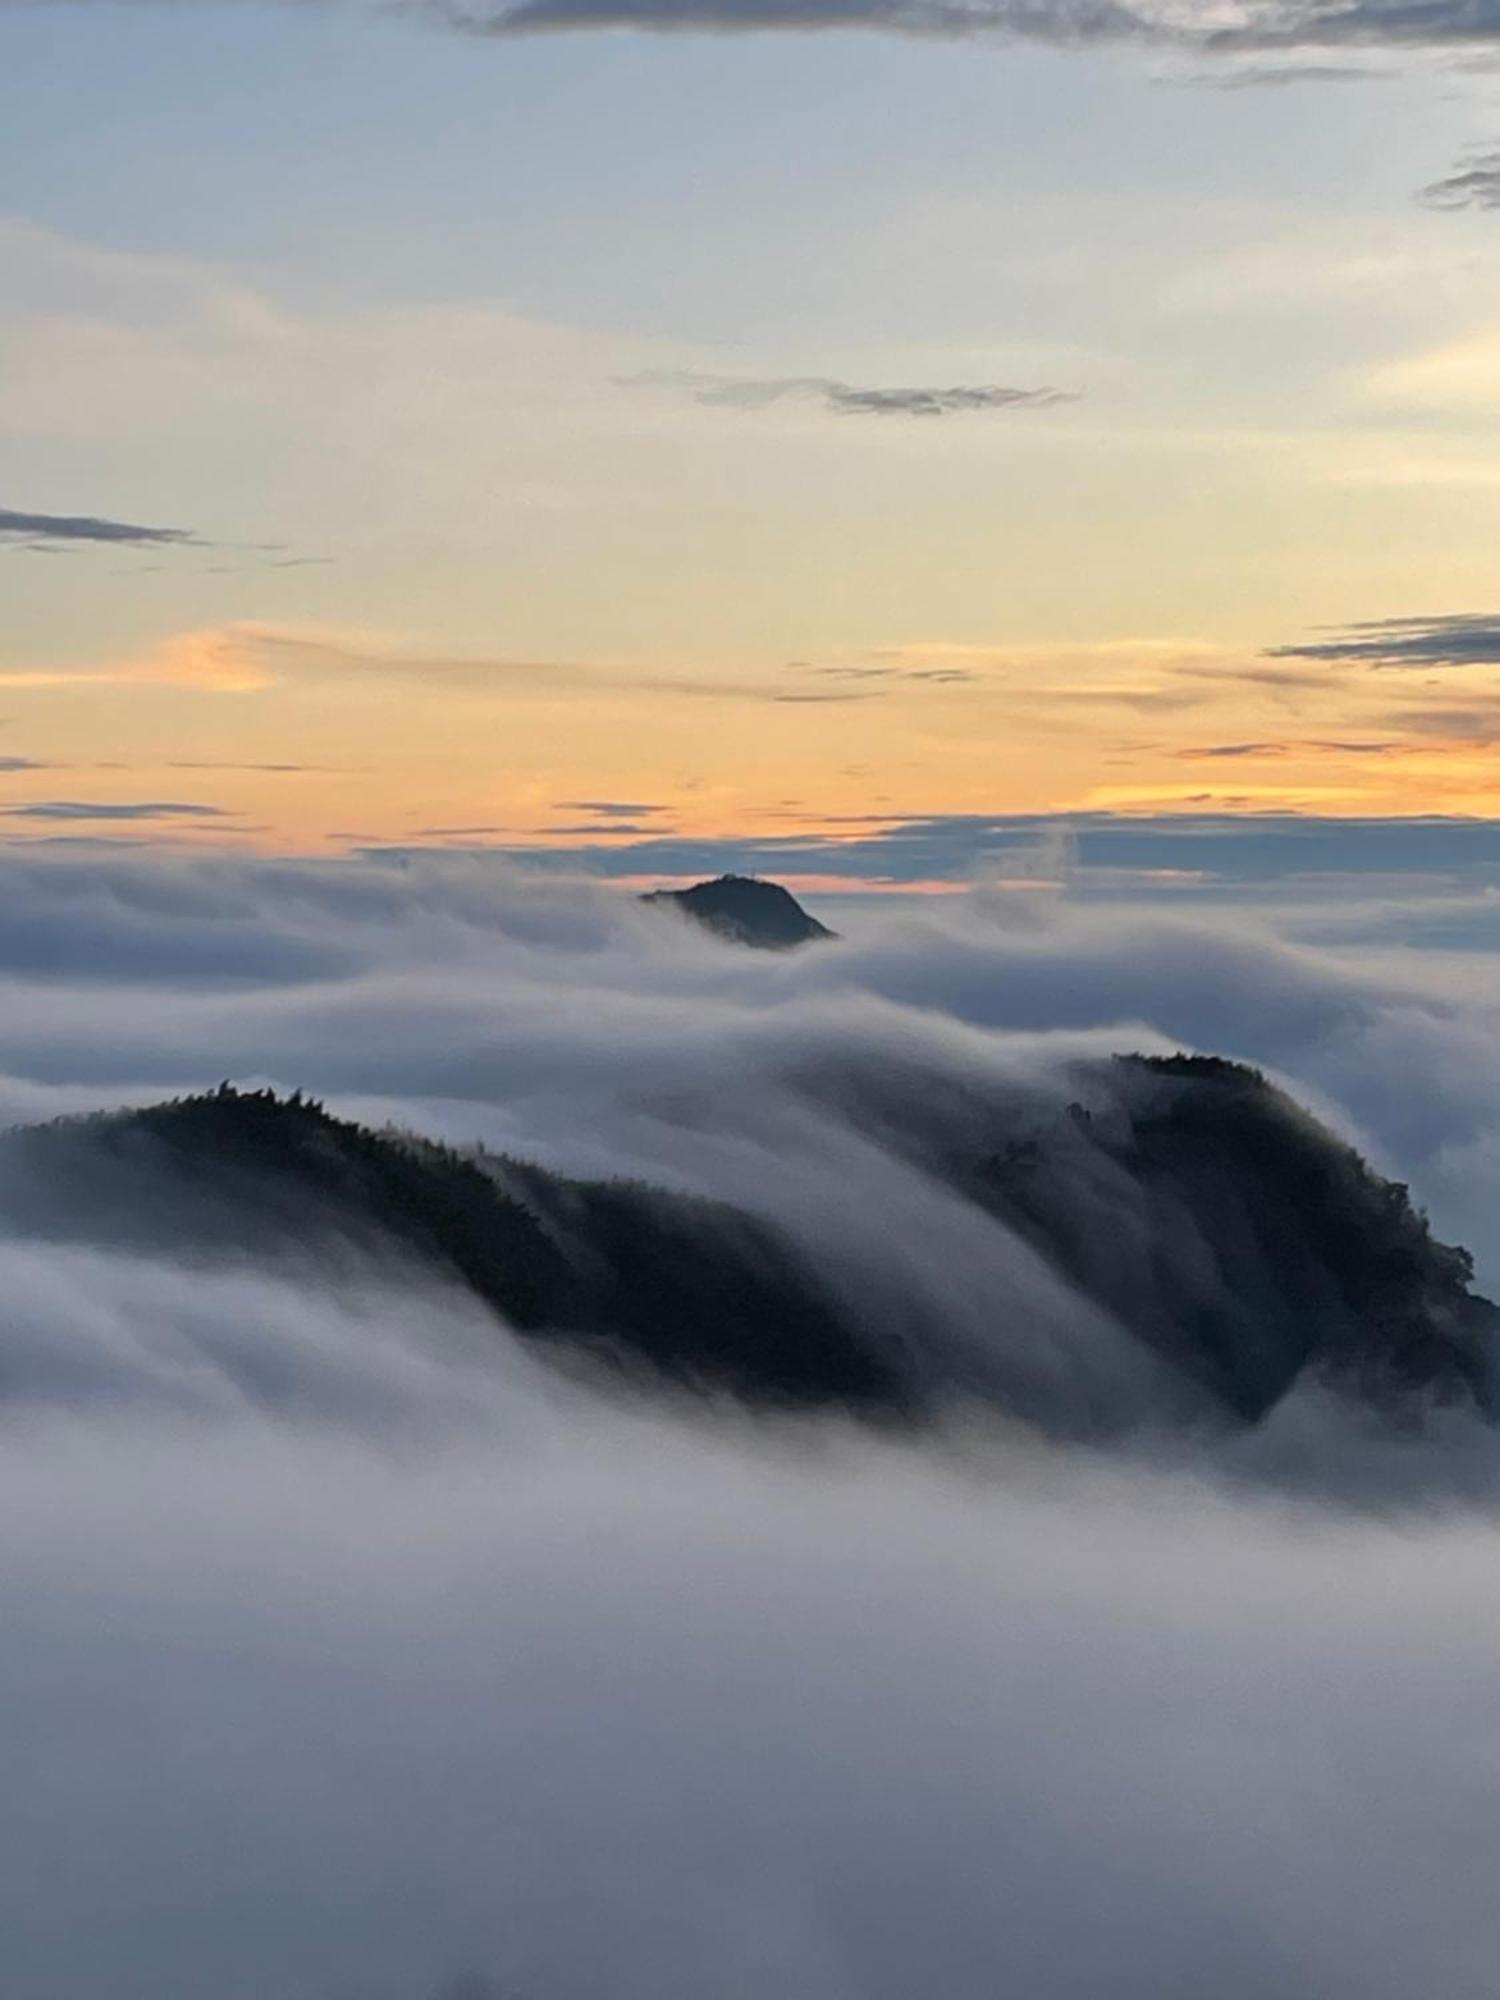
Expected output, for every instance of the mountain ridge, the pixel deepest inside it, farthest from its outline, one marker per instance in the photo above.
(1260, 1249)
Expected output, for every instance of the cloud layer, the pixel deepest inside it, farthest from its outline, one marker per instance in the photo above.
(349, 1652)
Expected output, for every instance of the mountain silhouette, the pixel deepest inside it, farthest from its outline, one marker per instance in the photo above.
(1239, 1244)
(746, 910)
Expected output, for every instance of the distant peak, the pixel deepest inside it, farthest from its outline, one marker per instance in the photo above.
(746, 910)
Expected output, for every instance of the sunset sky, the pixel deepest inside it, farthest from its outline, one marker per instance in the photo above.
(860, 440)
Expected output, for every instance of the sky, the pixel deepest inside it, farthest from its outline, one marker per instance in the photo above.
(886, 445)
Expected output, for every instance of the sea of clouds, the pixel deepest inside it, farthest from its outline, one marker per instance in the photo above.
(351, 1653)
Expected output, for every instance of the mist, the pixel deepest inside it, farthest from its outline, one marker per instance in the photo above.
(353, 1650)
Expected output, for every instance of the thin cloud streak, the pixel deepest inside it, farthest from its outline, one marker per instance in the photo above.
(103, 809)
(845, 399)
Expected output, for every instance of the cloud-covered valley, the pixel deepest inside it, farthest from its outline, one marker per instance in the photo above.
(355, 1651)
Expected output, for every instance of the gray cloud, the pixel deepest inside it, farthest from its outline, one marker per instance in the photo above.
(56, 530)
(1457, 639)
(1474, 183)
(844, 399)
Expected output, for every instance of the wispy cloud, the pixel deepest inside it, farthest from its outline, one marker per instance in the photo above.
(63, 534)
(250, 658)
(1455, 639)
(1473, 183)
(845, 399)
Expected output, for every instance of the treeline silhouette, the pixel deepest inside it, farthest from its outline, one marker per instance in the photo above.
(691, 1288)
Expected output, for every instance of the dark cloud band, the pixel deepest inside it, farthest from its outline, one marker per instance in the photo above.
(67, 811)
(23, 527)
(1457, 639)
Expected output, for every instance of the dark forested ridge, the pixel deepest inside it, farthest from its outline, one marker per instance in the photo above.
(696, 1290)
(1257, 1244)
(1235, 1239)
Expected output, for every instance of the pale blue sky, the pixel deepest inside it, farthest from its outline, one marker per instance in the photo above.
(666, 185)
